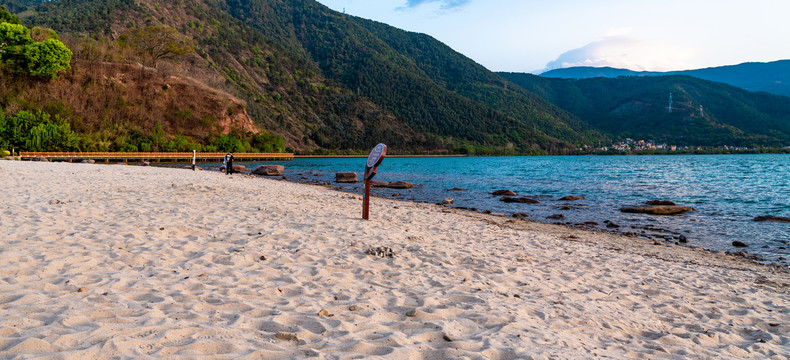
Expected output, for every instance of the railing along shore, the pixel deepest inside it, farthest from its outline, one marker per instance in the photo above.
(153, 156)
(364, 156)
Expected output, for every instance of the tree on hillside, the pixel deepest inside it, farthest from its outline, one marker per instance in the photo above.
(47, 59)
(7, 17)
(21, 54)
(13, 40)
(157, 43)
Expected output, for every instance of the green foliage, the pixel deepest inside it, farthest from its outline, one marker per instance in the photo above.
(230, 143)
(14, 35)
(47, 59)
(7, 17)
(37, 131)
(21, 54)
(93, 18)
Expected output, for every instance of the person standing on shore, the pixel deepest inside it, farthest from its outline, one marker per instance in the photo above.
(229, 164)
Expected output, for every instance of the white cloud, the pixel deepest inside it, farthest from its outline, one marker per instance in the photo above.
(444, 4)
(628, 53)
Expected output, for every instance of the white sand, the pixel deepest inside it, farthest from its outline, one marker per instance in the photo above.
(169, 264)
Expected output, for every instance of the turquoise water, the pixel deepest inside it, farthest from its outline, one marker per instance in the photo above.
(728, 191)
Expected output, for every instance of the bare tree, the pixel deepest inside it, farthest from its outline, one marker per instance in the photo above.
(157, 43)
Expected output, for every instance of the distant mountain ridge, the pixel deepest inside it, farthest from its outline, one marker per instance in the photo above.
(703, 112)
(771, 77)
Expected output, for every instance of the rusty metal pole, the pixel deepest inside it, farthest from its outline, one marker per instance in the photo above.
(366, 201)
(374, 160)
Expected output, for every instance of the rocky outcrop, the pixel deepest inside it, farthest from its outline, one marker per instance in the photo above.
(657, 209)
(269, 170)
(346, 177)
(520, 200)
(503, 192)
(660, 202)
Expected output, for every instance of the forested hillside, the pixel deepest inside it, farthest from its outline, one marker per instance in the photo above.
(320, 79)
(422, 81)
(282, 92)
(261, 75)
(638, 107)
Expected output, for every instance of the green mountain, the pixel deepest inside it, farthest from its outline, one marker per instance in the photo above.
(325, 80)
(283, 92)
(638, 107)
(244, 73)
(422, 81)
(771, 77)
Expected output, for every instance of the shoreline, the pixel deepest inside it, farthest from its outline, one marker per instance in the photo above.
(108, 261)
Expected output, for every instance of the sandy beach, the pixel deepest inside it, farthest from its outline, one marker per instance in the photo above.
(110, 261)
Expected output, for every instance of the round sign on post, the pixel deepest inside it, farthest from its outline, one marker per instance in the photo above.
(374, 160)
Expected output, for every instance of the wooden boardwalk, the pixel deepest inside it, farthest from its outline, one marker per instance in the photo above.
(154, 156)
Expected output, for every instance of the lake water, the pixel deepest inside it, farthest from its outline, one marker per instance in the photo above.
(728, 191)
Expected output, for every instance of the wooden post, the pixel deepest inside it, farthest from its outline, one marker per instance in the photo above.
(194, 154)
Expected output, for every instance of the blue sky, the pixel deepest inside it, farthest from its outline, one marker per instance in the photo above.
(534, 35)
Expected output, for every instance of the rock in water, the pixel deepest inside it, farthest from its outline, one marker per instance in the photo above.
(520, 215)
(346, 177)
(400, 185)
(448, 201)
(556, 217)
(771, 218)
(503, 192)
(572, 198)
(269, 170)
(521, 200)
(658, 209)
(739, 244)
(456, 189)
(379, 183)
(660, 202)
